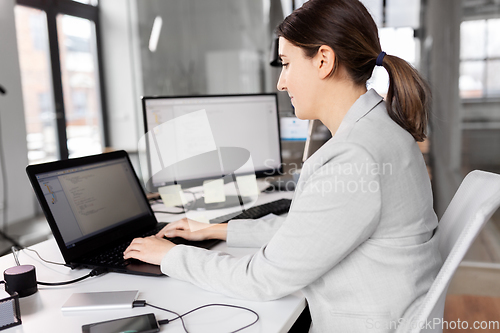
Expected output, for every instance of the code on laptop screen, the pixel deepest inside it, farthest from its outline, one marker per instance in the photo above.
(90, 199)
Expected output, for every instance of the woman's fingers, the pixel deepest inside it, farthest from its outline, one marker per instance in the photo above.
(135, 245)
(187, 229)
(180, 224)
(150, 249)
(178, 233)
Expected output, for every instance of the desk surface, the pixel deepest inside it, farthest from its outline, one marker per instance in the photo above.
(42, 310)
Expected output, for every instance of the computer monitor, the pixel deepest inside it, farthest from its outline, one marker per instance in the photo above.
(217, 132)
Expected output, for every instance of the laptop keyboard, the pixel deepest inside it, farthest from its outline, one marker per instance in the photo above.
(114, 256)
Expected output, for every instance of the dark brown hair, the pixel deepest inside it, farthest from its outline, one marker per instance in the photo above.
(348, 28)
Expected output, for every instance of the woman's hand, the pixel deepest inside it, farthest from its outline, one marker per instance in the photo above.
(193, 230)
(150, 249)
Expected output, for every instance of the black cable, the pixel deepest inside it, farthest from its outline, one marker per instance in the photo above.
(95, 272)
(163, 322)
(229, 306)
(63, 283)
(3, 231)
(154, 200)
(166, 321)
(4, 184)
(169, 320)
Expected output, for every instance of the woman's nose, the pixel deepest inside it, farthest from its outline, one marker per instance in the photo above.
(281, 84)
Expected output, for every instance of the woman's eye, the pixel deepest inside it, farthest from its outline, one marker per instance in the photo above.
(284, 65)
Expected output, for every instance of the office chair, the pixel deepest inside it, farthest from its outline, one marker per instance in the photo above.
(475, 201)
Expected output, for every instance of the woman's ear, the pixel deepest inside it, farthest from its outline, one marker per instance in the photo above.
(325, 61)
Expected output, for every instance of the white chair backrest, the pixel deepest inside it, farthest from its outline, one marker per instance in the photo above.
(477, 198)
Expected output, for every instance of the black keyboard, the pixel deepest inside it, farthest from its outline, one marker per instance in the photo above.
(114, 256)
(277, 207)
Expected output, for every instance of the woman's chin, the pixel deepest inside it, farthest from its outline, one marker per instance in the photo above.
(300, 115)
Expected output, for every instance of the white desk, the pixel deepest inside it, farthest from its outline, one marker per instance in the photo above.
(41, 312)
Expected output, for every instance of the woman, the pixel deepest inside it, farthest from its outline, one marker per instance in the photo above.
(358, 237)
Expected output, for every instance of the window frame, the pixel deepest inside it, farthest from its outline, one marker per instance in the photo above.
(484, 60)
(52, 8)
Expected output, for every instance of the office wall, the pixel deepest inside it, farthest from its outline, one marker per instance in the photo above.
(205, 47)
(13, 130)
(195, 34)
(122, 72)
(209, 46)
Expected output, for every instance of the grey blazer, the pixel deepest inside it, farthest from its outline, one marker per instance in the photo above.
(357, 239)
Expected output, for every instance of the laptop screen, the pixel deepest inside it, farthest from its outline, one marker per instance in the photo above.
(90, 199)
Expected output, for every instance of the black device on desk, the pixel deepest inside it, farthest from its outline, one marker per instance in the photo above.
(145, 323)
(277, 207)
(95, 206)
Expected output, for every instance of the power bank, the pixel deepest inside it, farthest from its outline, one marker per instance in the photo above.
(109, 300)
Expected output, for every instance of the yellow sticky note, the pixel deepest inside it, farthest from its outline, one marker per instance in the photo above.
(247, 185)
(214, 190)
(172, 195)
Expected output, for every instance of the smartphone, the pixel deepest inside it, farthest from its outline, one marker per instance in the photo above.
(145, 323)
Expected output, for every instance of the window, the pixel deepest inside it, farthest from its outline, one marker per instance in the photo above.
(36, 74)
(480, 59)
(61, 81)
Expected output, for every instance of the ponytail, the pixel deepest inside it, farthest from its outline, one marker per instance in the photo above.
(408, 97)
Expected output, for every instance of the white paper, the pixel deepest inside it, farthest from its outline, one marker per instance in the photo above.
(172, 195)
(213, 190)
(247, 185)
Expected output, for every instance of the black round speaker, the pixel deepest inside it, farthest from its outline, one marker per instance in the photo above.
(20, 279)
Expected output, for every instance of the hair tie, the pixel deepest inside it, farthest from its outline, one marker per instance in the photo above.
(380, 58)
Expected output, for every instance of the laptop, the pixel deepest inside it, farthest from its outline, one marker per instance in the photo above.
(95, 206)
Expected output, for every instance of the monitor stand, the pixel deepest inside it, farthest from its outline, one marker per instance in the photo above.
(231, 201)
